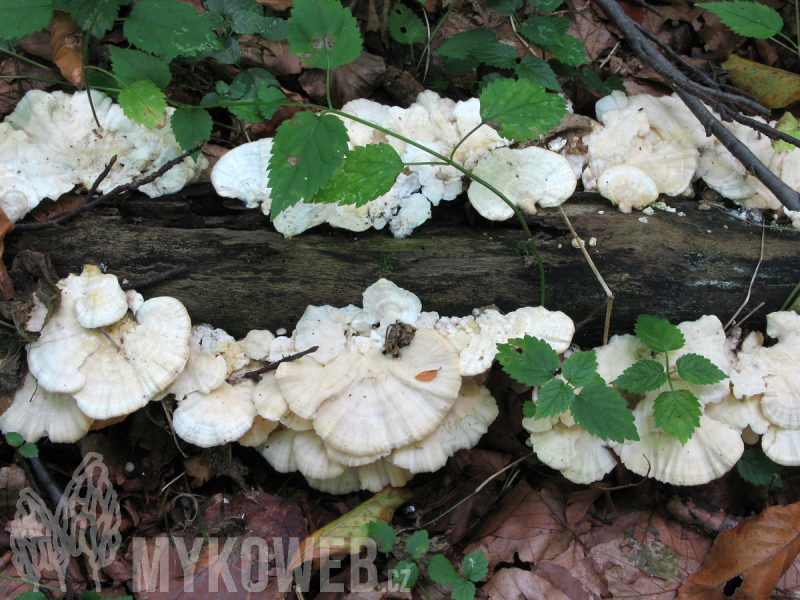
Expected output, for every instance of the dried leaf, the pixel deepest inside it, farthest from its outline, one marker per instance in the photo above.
(519, 584)
(774, 88)
(66, 42)
(427, 375)
(344, 531)
(759, 551)
(6, 285)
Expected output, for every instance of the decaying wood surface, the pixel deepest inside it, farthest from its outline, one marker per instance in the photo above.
(243, 275)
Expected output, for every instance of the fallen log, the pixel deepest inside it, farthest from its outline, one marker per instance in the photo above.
(243, 275)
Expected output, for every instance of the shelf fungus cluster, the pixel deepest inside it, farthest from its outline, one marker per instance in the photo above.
(51, 144)
(437, 123)
(759, 400)
(102, 354)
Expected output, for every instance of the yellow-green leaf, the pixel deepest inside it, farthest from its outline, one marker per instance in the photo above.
(774, 88)
(346, 533)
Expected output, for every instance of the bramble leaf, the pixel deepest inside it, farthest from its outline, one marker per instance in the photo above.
(497, 55)
(323, 33)
(191, 125)
(698, 370)
(535, 366)
(18, 18)
(306, 151)
(462, 590)
(366, 173)
(750, 19)
(569, 50)
(132, 65)
(592, 79)
(240, 96)
(168, 28)
(29, 450)
(786, 124)
(144, 103)
(544, 30)
(475, 566)
(382, 533)
(505, 7)
(756, 467)
(537, 71)
(99, 15)
(519, 110)
(406, 574)
(602, 412)
(14, 439)
(658, 334)
(529, 410)
(677, 413)
(545, 5)
(554, 398)
(441, 571)
(405, 27)
(580, 368)
(642, 376)
(459, 51)
(418, 544)
(31, 596)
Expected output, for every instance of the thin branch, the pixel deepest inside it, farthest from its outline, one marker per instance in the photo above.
(272, 366)
(750, 287)
(157, 278)
(680, 84)
(768, 131)
(87, 204)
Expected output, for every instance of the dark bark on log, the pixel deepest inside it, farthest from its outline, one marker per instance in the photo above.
(243, 275)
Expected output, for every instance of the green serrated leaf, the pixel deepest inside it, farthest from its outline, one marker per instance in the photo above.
(580, 368)
(561, 69)
(505, 7)
(29, 450)
(366, 173)
(18, 18)
(534, 366)
(592, 79)
(306, 151)
(698, 370)
(441, 571)
(520, 110)
(677, 413)
(750, 19)
(418, 544)
(245, 23)
(144, 103)
(497, 55)
(241, 95)
(604, 413)
(544, 30)
(756, 467)
(132, 66)
(229, 8)
(405, 27)
(382, 533)
(490, 78)
(31, 596)
(271, 98)
(168, 28)
(191, 125)
(537, 71)
(658, 334)
(642, 376)
(569, 50)
(475, 566)
(96, 16)
(276, 29)
(529, 410)
(90, 595)
(323, 33)
(555, 397)
(215, 20)
(463, 590)
(545, 5)
(406, 574)
(14, 439)
(462, 44)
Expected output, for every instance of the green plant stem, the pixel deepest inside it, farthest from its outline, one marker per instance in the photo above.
(797, 24)
(790, 297)
(28, 60)
(432, 162)
(433, 35)
(34, 583)
(328, 86)
(789, 48)
(464, 139)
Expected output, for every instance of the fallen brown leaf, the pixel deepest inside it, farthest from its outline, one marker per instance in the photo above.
(775, 88)
(758, 551)
(6, 285)
(427, 375)
(66, 46)
(518, 584)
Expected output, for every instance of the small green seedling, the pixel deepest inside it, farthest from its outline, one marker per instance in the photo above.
(756, 467)
(26, 449)
(407, 572)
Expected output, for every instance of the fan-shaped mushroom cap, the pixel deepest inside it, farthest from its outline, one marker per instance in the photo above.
(782, 445)
(526, 177)
(621, 352)
(481, 141)
(258, 432)
(311, 458)
(36, 412)
(749, 367)
(627, 187)
(781, 401)
(221, 416)
(413, 211)
(296, 422)
(278, 450)
(466, 421)
(149, 355)
(103, 301)
(367, 403)
(220, 343)
(360, 134)
(257, 343)
(203, 373)
(710, 453)
(373, 477)
(739, 414)
(350, 460)
(671, 166)
(386, 303)
(268, 399)
(569, 448)
(323, 326)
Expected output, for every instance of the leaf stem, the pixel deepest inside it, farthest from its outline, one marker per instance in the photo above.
(28, 60)
(433, 35)
(463, 139)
